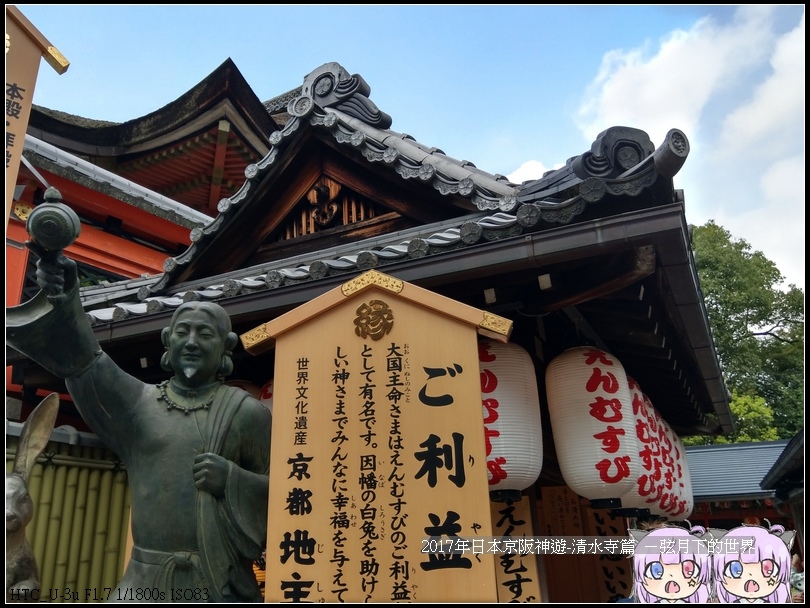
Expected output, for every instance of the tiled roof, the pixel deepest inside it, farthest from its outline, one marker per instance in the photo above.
(731, 471)
(135, 297)
(608, 224)
(81, 171)
(622, 161)
(194, 149)
(157, 293)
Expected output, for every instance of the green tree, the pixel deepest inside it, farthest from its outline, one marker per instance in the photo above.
(758, 328)
(754, 421)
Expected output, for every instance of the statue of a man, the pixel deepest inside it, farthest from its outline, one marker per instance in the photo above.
(197, 451)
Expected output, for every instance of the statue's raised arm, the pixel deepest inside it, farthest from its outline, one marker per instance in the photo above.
(197, 451)
(56, 310)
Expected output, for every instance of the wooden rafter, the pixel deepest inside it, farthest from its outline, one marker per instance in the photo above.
(218, 168)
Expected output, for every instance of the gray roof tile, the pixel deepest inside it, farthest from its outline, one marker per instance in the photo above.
(731, 471)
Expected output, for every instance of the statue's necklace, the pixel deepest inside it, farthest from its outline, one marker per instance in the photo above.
(173, 405)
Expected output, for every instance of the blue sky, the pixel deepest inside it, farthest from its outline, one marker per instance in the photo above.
(515, 89)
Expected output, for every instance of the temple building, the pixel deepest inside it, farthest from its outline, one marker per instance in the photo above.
(271, 207)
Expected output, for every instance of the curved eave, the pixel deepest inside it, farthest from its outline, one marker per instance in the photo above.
(98, 138)
(411, 160)
(78, 170)
(464, 251)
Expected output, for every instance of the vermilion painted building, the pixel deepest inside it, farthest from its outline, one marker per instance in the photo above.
(139, 187)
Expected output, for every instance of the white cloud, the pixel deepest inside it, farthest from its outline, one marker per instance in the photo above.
(776, 225)
(531, 169)
(672, 87)
(737, 90)
(766, 124)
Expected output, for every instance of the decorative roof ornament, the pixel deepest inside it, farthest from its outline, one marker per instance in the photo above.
(621, 161)
(331, 86)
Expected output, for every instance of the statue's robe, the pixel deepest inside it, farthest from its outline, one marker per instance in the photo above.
(184, 539)
(188, 544)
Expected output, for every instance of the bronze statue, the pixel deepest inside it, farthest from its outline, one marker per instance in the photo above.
(197, 451)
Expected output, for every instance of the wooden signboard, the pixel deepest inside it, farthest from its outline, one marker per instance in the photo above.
(377, 447)
(25, 46)
(601, 575)
(517, 573)
(613, 572)
(568, 578)
(561, 512)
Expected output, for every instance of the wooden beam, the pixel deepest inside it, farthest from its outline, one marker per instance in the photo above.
(139, 222)
(396, 196)
(597, 279)
(218, 168)
(51, 54)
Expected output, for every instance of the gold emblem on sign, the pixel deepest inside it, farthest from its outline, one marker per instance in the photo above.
(373, 320)
(254, 336)
(496, 324)
(372, 277)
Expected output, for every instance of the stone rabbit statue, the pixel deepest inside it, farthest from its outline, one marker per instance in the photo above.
(22, 572)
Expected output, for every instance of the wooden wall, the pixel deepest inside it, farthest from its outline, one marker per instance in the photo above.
(589, 578)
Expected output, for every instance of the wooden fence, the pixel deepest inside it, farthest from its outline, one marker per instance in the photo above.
(81, 515)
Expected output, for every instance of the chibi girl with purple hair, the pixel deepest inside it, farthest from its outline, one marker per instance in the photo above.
(752, 565)
(671, 565)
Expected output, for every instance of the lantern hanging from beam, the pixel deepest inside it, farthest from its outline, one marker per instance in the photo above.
(654, 420)
(669, 482)
(686, 500)
(266, 395)
(645, 493)
(511, 410)
(592, 421)
(680, 501)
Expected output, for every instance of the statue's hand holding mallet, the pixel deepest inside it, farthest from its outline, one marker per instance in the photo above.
(53, 226)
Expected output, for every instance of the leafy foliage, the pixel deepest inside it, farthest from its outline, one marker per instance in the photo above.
(758, 330)
(753, 419)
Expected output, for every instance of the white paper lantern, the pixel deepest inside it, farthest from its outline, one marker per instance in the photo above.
(679, 498)
(644, 493)
(592, 421)
(669, 477)
(512, 420)
(266, 395)
(686, 503)
(656, 499)
(672, 491)
(675, 498)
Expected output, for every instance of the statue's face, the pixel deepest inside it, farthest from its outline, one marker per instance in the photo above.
(195, 348)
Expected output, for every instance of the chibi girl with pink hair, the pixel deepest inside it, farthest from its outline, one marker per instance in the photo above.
(671, 565)
(752, 565)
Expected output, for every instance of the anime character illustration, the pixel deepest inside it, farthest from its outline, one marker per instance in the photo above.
(671, 565)
(752, 565)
